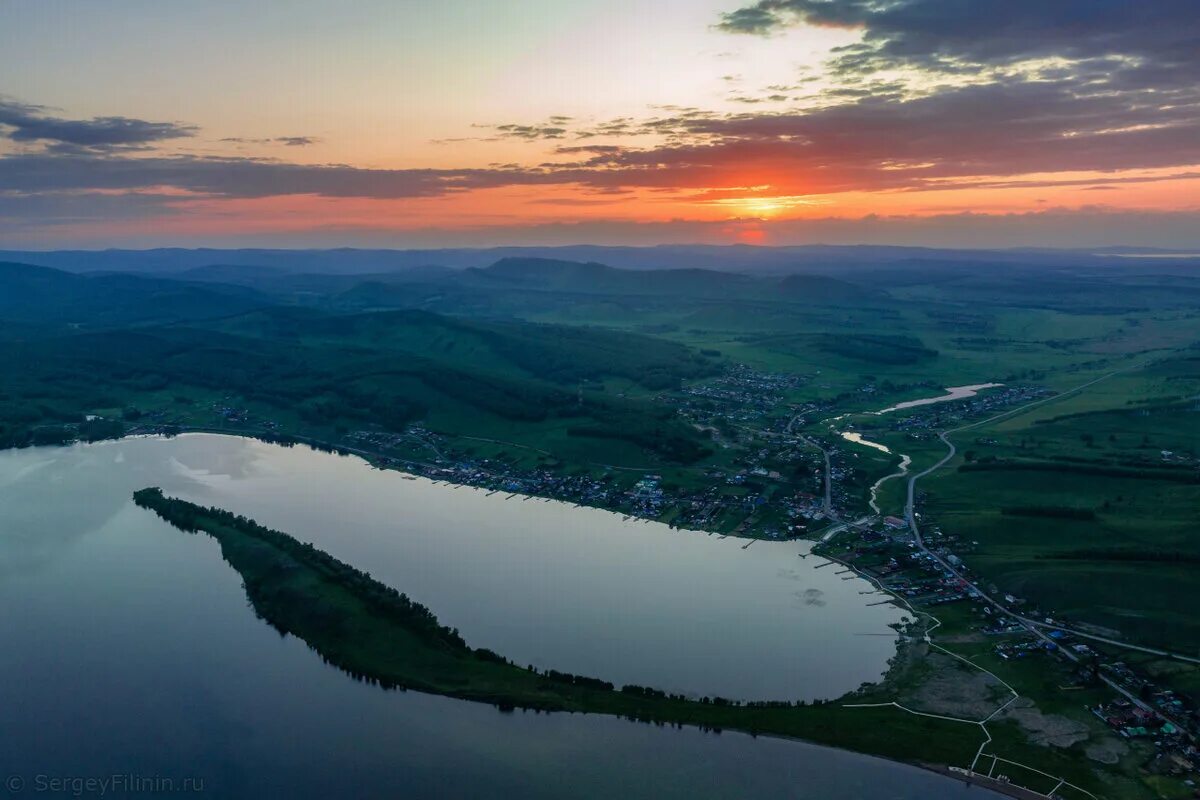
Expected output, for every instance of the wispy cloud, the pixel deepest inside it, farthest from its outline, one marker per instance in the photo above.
(288, 141)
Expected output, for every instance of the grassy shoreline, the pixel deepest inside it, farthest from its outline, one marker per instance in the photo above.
(376, 634)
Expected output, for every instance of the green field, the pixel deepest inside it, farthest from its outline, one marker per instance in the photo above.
(1125, 561)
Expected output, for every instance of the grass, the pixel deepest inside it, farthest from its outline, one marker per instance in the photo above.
(1053, 686)
(1130, 568)
(375, 634)
(327, 604)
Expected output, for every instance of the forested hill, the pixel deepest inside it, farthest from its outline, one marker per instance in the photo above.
(549, 275)
(557, 353)
(804, 259)
(572, 276)
(32, 294)
(127, 348)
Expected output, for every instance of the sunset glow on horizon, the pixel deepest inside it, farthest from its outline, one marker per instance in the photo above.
(776, 122)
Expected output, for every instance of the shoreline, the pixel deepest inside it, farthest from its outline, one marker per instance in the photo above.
(372, 458)
(897, 725)
(240, 539)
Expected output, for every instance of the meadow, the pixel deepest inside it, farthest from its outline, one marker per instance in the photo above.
(1123, 456)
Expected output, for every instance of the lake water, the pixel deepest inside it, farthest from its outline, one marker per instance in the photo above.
(128, 646)
(548, 583)
(952, 393)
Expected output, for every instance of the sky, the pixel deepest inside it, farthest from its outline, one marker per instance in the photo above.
(396, 123)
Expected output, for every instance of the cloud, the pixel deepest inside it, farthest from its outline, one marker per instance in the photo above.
(553, 130)
(233, 177)
(771, 98)
(31, 123)
(760, 18)
(1006, 128)
(598, 149)
(988, 134)
(289, 141)
(68, 208)
(1047, 228)
(1149, 37)
(575, 201)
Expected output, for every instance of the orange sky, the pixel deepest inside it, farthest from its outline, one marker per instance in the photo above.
(705, 118)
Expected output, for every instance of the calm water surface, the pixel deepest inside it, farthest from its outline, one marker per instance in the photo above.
(548, 583)
(128, 646)
(952, 393)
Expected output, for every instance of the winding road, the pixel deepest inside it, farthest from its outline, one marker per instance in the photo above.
(1033, 626)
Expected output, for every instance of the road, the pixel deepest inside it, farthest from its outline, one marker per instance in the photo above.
(1034, 627)
(1115, 642)
(827, 503)
(951, 451)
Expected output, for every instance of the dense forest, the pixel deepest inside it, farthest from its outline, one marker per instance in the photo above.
(114, 367)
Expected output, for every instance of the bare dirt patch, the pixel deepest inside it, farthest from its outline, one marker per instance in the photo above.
(962, 638)
(1107, 750)
(954, 689)
(1052, 730)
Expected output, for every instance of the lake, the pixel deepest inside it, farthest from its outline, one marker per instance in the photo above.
(129, 647)
(548, 583)
(952, 393)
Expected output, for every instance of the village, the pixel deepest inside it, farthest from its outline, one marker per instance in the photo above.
(1138, 709)
(783, 476)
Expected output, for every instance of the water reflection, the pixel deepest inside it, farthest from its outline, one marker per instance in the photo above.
(952, 393)
(130, 649)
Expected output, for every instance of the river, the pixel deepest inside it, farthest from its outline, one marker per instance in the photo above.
(952, 393)
(129, 647)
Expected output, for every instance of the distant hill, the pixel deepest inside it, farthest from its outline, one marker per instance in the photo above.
(557, 353)
(32, 294)
(555, 275)
(380, 370)
(552, 275)
(243, 274)
(835, 260)
(280, 280)
(823, 289)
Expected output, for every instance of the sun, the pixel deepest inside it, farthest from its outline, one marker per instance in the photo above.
(763, 206)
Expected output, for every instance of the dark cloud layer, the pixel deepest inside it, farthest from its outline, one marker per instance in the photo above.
(1004, 128)
(1049, 228)
(30, 123)
(1007, 128)
(232, 177)
(1162, 33)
